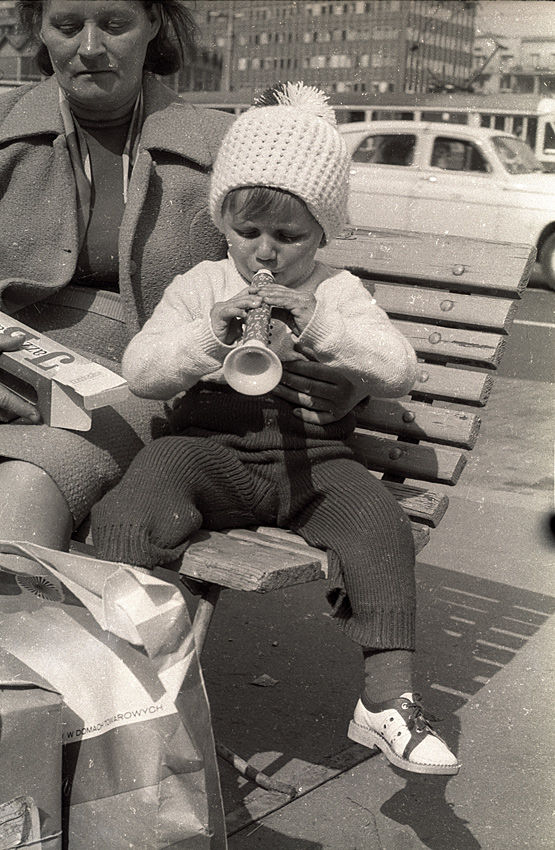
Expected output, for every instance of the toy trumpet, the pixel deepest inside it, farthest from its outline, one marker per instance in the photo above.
(252, 368)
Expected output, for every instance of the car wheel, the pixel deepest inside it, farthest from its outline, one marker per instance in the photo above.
(547, 260)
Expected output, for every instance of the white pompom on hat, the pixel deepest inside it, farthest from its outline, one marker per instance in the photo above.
(288, 140)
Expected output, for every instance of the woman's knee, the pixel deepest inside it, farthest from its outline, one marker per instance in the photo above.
(32, 506)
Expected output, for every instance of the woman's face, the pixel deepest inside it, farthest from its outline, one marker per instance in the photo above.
(97, 49)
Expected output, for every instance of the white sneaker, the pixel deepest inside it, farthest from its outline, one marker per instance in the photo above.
(400, 730)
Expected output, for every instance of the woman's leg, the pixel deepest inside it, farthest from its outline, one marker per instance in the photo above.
(32, 509)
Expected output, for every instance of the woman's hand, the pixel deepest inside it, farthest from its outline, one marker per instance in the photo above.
(12, 407)
(321, 394)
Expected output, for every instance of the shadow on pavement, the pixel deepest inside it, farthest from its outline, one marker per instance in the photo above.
(422, 806)
(269, 839)
(470, 628)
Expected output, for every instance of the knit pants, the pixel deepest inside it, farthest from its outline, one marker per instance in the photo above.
(178, 484)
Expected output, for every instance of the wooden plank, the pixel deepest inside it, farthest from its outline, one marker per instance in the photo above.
(421, 462)
(418, 421)
(462, 386)
(262, 559)
(421, 505)
(289, 540)
(420, 533)
(246, 565)
(421, 536)
(286, 541)
(454, 345)
(447, 308)
(463, 265)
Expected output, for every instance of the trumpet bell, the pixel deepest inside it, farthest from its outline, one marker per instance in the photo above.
(252, 368)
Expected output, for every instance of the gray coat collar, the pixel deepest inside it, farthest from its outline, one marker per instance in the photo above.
(170, 125)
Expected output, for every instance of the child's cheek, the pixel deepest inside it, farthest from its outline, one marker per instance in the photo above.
(240, 253)
(238, 247)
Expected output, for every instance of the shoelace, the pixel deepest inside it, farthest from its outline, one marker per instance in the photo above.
(418, 719)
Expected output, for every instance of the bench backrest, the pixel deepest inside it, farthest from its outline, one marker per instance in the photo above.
(455, 299)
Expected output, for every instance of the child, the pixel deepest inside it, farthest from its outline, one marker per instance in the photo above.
(278, 193)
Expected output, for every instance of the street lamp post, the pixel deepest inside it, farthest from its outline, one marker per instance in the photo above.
(228, 52)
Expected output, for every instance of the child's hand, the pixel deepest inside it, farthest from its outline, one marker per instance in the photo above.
(227, 316)
(300, 304)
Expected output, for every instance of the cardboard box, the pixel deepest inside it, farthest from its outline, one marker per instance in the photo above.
(30, 758)
(63, 384)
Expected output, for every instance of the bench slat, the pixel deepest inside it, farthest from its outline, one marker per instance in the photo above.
(448, 308)
(417, 421)
(464, 265)
(420, 533)
(462, 386)
(422, 462)
(421, 536)
(453, 344)
(421, 505)
(287, 541)
(246, 565)
(219, 557)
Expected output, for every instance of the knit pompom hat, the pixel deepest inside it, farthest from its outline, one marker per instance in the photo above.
(288, 140)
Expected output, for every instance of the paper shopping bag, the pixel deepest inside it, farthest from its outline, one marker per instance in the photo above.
(139, 765)
(30, 758)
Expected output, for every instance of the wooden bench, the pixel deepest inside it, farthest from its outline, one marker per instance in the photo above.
(455, 299)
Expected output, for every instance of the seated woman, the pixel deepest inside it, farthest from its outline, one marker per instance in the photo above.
(103, 169)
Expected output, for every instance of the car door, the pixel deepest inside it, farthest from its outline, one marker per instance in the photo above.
(458, 191)
(383, 180)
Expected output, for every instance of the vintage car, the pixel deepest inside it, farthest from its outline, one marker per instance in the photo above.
(451, 179)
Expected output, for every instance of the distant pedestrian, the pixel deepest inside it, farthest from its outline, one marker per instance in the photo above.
(278, 193)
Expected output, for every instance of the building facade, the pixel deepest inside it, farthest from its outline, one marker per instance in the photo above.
(378, 46)
(523, 65)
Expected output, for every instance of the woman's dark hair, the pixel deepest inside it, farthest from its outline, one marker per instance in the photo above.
(174, 43)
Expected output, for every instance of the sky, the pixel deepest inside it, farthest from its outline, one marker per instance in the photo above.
(516, 18)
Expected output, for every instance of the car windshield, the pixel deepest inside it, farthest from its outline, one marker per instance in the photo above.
(515, 155)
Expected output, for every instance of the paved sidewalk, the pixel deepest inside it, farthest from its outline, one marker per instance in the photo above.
(485, 663)
(503, 797)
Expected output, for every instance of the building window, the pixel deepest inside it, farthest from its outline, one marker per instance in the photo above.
(317, 61)
(505, 83)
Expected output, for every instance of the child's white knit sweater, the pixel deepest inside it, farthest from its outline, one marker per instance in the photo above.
(177, 346)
